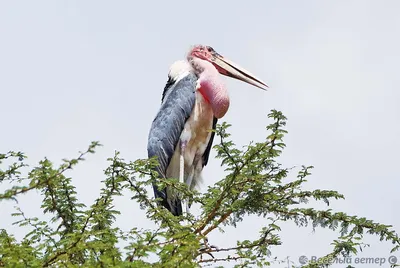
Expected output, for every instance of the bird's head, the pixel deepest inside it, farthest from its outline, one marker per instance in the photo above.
(225, 66)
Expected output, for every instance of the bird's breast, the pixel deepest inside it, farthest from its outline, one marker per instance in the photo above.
(200, 122)
(198, 127)
(196, 134)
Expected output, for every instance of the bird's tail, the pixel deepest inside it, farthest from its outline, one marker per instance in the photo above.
(172, 203)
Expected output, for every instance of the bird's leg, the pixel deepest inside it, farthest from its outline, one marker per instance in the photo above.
(189, 180)
(182, 164)
(191, 175)
(187, 206)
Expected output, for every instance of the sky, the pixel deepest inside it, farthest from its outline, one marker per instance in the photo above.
(76, 71)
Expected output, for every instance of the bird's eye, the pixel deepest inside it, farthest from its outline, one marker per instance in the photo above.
(210, 49)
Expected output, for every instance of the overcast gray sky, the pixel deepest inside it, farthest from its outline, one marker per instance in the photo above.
(76, 71)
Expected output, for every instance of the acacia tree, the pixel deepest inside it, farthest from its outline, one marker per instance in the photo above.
(255, 184)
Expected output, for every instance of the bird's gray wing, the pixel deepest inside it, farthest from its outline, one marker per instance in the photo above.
(177, 104)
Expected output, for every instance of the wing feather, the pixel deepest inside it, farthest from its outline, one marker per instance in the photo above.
(177, 105)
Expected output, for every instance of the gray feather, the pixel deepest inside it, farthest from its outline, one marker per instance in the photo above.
(177, 105)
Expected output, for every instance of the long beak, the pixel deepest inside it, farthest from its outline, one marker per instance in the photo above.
(228, 68)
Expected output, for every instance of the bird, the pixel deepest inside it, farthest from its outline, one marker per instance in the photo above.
(181, 134)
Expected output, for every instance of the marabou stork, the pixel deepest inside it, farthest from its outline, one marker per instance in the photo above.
(194, 98)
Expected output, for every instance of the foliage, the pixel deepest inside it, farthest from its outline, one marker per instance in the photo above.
(88, 236)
